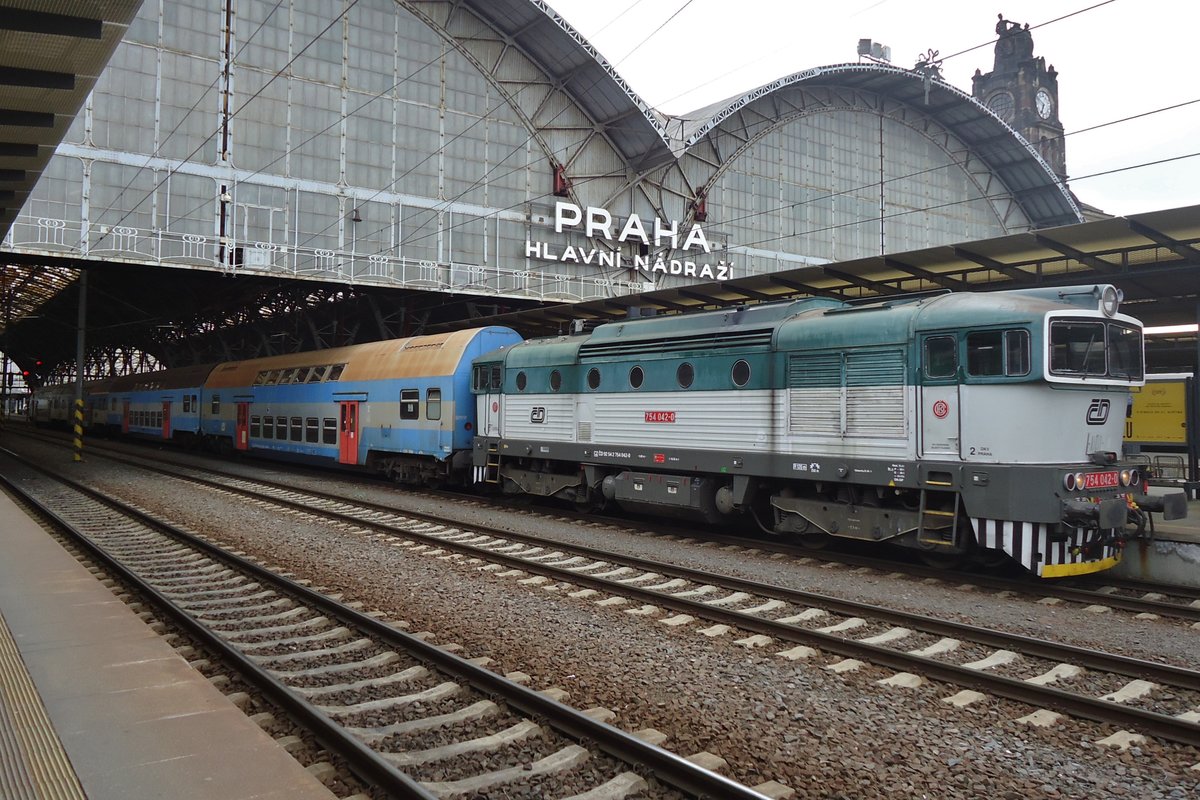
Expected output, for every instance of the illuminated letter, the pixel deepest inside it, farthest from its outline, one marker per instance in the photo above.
(696, 236)
(600, 221)
(660, 232)
(568, 213)
(633, 226)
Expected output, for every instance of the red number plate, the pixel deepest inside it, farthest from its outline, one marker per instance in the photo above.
(660, 416)
(1101, 480)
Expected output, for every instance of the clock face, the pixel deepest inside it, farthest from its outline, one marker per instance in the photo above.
(1044, 104)
(1001, 104)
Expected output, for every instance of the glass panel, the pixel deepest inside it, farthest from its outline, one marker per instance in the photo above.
(1125, 352)
(1077, 348)
(433, 404)
(1016, 353)
(941, 357)
(410, 403)
(985, 355)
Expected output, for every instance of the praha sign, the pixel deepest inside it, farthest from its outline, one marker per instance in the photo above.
(597, 223)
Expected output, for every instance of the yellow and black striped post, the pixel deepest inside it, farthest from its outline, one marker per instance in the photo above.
(78, 429)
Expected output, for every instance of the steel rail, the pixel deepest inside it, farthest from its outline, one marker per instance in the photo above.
(1161, 725)
(666, 766)
(1023, 585)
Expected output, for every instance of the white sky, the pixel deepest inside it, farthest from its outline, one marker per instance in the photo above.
(1117, 59)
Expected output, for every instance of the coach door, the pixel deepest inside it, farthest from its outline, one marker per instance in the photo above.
(242, 442)
(937, 396)
(166, 426)
(348, 432)
(124, 416)
(488, 380)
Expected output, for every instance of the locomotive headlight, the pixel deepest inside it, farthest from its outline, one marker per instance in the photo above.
(1135, 477)
(1069, 482)
(1126, 476)
(1110, 300)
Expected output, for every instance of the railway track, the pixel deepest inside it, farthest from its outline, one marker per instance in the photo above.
(1132, 597)
(412, 719)
(1139, 696)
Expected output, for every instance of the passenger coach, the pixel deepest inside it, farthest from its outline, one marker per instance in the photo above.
(987, 425)
(400, 406)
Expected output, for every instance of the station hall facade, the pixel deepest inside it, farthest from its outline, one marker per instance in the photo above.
(487, 148)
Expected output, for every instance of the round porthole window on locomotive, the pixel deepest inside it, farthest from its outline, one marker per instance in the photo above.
(685, 375)
(741, 373)
(555, 380)
(522, 381)
(636, 376)
(593, 378)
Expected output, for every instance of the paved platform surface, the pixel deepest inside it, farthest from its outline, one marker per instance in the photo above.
(95, 704)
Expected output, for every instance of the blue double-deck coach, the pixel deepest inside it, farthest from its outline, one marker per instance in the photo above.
(402, 407)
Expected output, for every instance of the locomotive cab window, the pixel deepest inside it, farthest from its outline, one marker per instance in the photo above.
(433, 404)
(998, 353)
(940, 357)
(410, 403)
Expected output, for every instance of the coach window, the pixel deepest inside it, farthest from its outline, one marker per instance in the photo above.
(522, 381)
(187, 404)
(255, 427)
(329, 430)
(216, 404)
(268, 428)
(316, 375)
(685, 374)
(311, 430)
(593, 378)
(297, 429)
(555, 381)
(433, 404)
(410, 403)
(335, 372)
(941, 357)
(741, 373)
(636, 376)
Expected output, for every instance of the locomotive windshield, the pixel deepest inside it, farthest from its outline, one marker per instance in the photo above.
(1095, 349)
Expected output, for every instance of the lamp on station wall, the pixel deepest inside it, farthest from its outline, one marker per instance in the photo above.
(562, 184)
(355, 216)
(700, 208)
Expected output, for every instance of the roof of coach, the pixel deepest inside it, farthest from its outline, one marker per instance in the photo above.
(415, 357)
(175, 378)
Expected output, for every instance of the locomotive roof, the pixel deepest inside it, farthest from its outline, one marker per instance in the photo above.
(416, 356)
(811, 322)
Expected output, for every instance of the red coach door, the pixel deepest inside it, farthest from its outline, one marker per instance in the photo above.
(166, 431)
(242, 442)
(348, 432)
(125, 416)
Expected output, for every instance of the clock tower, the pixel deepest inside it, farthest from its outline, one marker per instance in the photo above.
(1023, 92)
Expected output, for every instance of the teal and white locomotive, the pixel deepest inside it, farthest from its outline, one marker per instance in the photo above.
(964, 425)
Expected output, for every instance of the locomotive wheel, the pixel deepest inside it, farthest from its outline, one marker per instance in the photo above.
(946, 561)
(814, 539)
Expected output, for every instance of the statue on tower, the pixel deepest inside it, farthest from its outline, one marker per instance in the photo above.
(1015, 43)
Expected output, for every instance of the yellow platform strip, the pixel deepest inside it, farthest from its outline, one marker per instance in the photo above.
(33, 764)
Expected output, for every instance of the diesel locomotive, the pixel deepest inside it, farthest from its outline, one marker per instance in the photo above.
(985, 426)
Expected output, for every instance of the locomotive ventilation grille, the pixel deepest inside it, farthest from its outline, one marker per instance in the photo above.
(713, 340)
